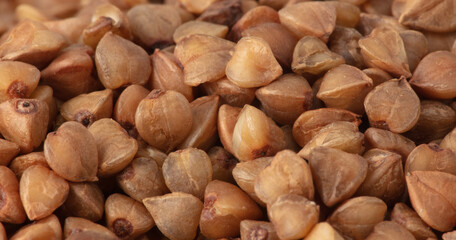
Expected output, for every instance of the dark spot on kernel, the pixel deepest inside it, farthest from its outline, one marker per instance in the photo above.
(262, 152)
(3, 198)
(84, 117)
(17, 89)
(122, 227)
(25, 106)
(380, 124)
(258, 233)
(155, 93)
(209, 209)
(127, 173)
(435, 147)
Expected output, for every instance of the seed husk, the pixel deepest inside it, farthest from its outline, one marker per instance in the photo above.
(120, 62)
(430, 195)
(223, 164)
(229, 92)
(71, 152)
(116, 149)
(20, 163)
(24, 122)
(286, 174)
(126, 105)
(19, 80)
(293, 216)
(226, 121)
(430, 157)
(255, 135)
(79, 228)
(42, 191)
(176, 214)
(126, 217)
(387, 140)
(323, 231)
(435, 16)
(164, 119)
(11, 209)
(393, 105)
(84, 200)
(406, 217)
(344, 41)
(225, 206)
(337, 174)
(225, 12)
(141, 179)
(357, 217)
(199, 27)
(390, 230)
(319, 19)
(8, 150)
(46, 228)
(253, 64)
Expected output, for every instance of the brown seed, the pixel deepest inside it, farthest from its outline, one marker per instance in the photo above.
(393, 105)
(222, 164)
(286, 174)
(390, 230)
(341, 135)
(106, 18)
(311, 55)
(31, 42)
(293, 216)
(245, 174)
(71, 152)
(126, 105)
(254, 17)
(46, 228)
(20, 163)
(279, 38)
(406, 217)
(70, 73)
(384, 48)
(416, 47)
(126, 217)
(176, 214)
(225, 206)
(226, 12)
(153, 25)
(70, 28)
(253, 63)
(24, 122)
(344, 41)
(199, 50)
(259, 230)
(164, 119)
(188, 171)
(439, 41)
(116, 148)
(19, 80)
(310, 122)
(167, 74)
(323, 231)
(347, 14)
(226, 121)
(435, 15)
(337, 174)
(290, 143)
(286, 98)
(203, 134)
(345, 87)
(46, 93)
(79, 228)
(144, 150)
(11, 209)
(356, 218)
(87, 108)
(199, 27)
(432, 77)
(385, 176)
(120, 62)
(8, 150)
(229, 92)
(319, 19)
(196, 6)
(42, 191)
(386, 140)
(84, 200)
(143, 178)
(430, 157)
(431, 196)
(255, 135)
(369, 22)
(317, 103)
(377, 75)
